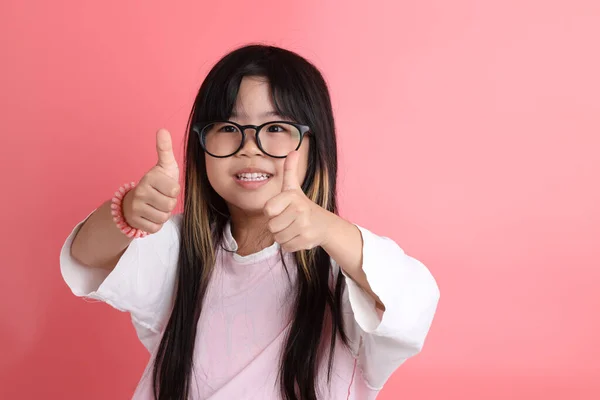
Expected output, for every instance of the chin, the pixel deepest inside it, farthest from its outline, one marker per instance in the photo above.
(252, 207)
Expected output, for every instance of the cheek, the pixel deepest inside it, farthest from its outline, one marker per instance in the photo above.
(214, 172)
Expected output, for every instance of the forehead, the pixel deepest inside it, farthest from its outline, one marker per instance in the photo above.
(254, 99)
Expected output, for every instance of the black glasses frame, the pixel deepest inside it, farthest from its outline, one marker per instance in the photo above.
(199, 127)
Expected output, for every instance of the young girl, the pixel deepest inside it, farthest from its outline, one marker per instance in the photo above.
(259, 290)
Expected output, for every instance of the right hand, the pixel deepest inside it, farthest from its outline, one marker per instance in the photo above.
(150, 204)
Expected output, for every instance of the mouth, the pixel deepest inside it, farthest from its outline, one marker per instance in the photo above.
(253, 176)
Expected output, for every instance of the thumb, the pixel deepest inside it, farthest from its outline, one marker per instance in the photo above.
(166, 158)
(290, 172)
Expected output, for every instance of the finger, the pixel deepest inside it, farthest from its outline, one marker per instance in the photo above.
(296, 244)
(149, 219)
(283, 220)
(166, 186)
(151, 214)
(144, 225)
(278, 204)
(288, 234)
(290, 172)
(166, 157)
(159, 201)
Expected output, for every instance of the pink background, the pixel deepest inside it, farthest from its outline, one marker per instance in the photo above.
(469, 132)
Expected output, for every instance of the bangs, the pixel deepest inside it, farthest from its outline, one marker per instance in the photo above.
(287, 85)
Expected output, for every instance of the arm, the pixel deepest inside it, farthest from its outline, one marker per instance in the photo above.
(345, 247)
(99, 243)
(142, 281)
(378, 275)
(298, 223)
(384, 340)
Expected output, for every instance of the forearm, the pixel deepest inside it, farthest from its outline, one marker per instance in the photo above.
(99, 243)
(345, 246)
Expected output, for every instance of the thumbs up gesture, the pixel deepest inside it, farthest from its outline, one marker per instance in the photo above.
(296, 222)
(150, 204)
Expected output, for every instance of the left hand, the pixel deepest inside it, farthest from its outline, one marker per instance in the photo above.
(296, 222)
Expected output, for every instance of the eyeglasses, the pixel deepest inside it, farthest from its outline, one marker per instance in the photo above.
(225, 138)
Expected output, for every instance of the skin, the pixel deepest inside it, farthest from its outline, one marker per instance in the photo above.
(279, 211)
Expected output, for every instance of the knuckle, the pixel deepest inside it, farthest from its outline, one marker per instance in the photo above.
(140, 191)
(144, 179)
(269, 210)
(300, 207)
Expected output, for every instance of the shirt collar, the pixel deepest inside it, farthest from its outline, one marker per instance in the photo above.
(231, 245)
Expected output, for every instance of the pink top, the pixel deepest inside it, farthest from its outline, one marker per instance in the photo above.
(243, 325)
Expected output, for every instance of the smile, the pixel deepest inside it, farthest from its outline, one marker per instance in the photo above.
(253, 177)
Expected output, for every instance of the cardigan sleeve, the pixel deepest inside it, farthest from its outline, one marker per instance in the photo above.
(385, 339)
(142, 283)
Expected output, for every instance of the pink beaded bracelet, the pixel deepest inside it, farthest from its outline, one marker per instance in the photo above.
(117, 213)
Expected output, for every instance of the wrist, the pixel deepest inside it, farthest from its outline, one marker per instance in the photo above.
(117, 211)
(333, 225)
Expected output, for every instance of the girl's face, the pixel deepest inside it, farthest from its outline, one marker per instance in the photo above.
(249, 193)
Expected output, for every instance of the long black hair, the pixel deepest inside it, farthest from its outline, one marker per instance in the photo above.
(300, 93)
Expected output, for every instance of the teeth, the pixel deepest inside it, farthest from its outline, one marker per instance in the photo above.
(253, 176)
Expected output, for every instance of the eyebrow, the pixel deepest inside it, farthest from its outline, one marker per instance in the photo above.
(272, 113)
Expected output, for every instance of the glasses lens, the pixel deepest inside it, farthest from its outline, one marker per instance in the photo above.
(221, 138)
(278, 139)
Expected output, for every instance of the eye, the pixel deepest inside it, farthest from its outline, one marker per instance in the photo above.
(228, 128)
(275, 128)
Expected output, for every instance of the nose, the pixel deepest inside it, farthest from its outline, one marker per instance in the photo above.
(250, 147)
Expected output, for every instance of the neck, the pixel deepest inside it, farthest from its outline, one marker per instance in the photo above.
(250, 232)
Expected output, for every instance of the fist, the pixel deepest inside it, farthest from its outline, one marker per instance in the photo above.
(296, 222)
(150, 203)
